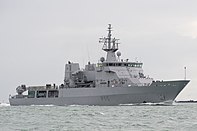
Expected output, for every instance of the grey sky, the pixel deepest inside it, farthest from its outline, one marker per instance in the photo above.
(37, 37)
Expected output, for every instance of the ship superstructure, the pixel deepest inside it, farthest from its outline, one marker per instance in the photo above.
(112, 81)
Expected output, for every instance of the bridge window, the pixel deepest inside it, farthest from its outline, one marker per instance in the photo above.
(118, 64)
(110, 64)
(138, 65)
(126, 64)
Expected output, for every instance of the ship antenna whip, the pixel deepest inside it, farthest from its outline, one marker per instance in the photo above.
(185, 69)
(88, 53)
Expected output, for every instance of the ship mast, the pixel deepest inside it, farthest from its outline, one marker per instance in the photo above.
(110, 45)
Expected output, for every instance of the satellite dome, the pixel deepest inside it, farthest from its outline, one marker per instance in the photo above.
(102, 59)
(118, 53)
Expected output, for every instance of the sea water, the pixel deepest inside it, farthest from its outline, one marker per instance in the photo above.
(99, 118)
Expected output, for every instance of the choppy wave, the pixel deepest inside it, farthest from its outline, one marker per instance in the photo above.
(144, 116)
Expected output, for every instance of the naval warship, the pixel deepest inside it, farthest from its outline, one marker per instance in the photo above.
(112, 81)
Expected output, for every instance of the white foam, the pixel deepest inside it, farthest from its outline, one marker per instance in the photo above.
(4, 104)
(126, 104)
(101, 113)
(147, 104)
(42, 105)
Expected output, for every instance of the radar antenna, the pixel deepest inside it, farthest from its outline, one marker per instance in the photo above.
(110, 44)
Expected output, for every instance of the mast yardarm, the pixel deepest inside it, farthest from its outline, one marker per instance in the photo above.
(109, 43)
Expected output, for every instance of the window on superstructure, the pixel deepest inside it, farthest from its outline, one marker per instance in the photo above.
(53, 93)
(41, 94)
(31, 94)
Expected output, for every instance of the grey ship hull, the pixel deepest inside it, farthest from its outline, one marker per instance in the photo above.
(109, 96)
